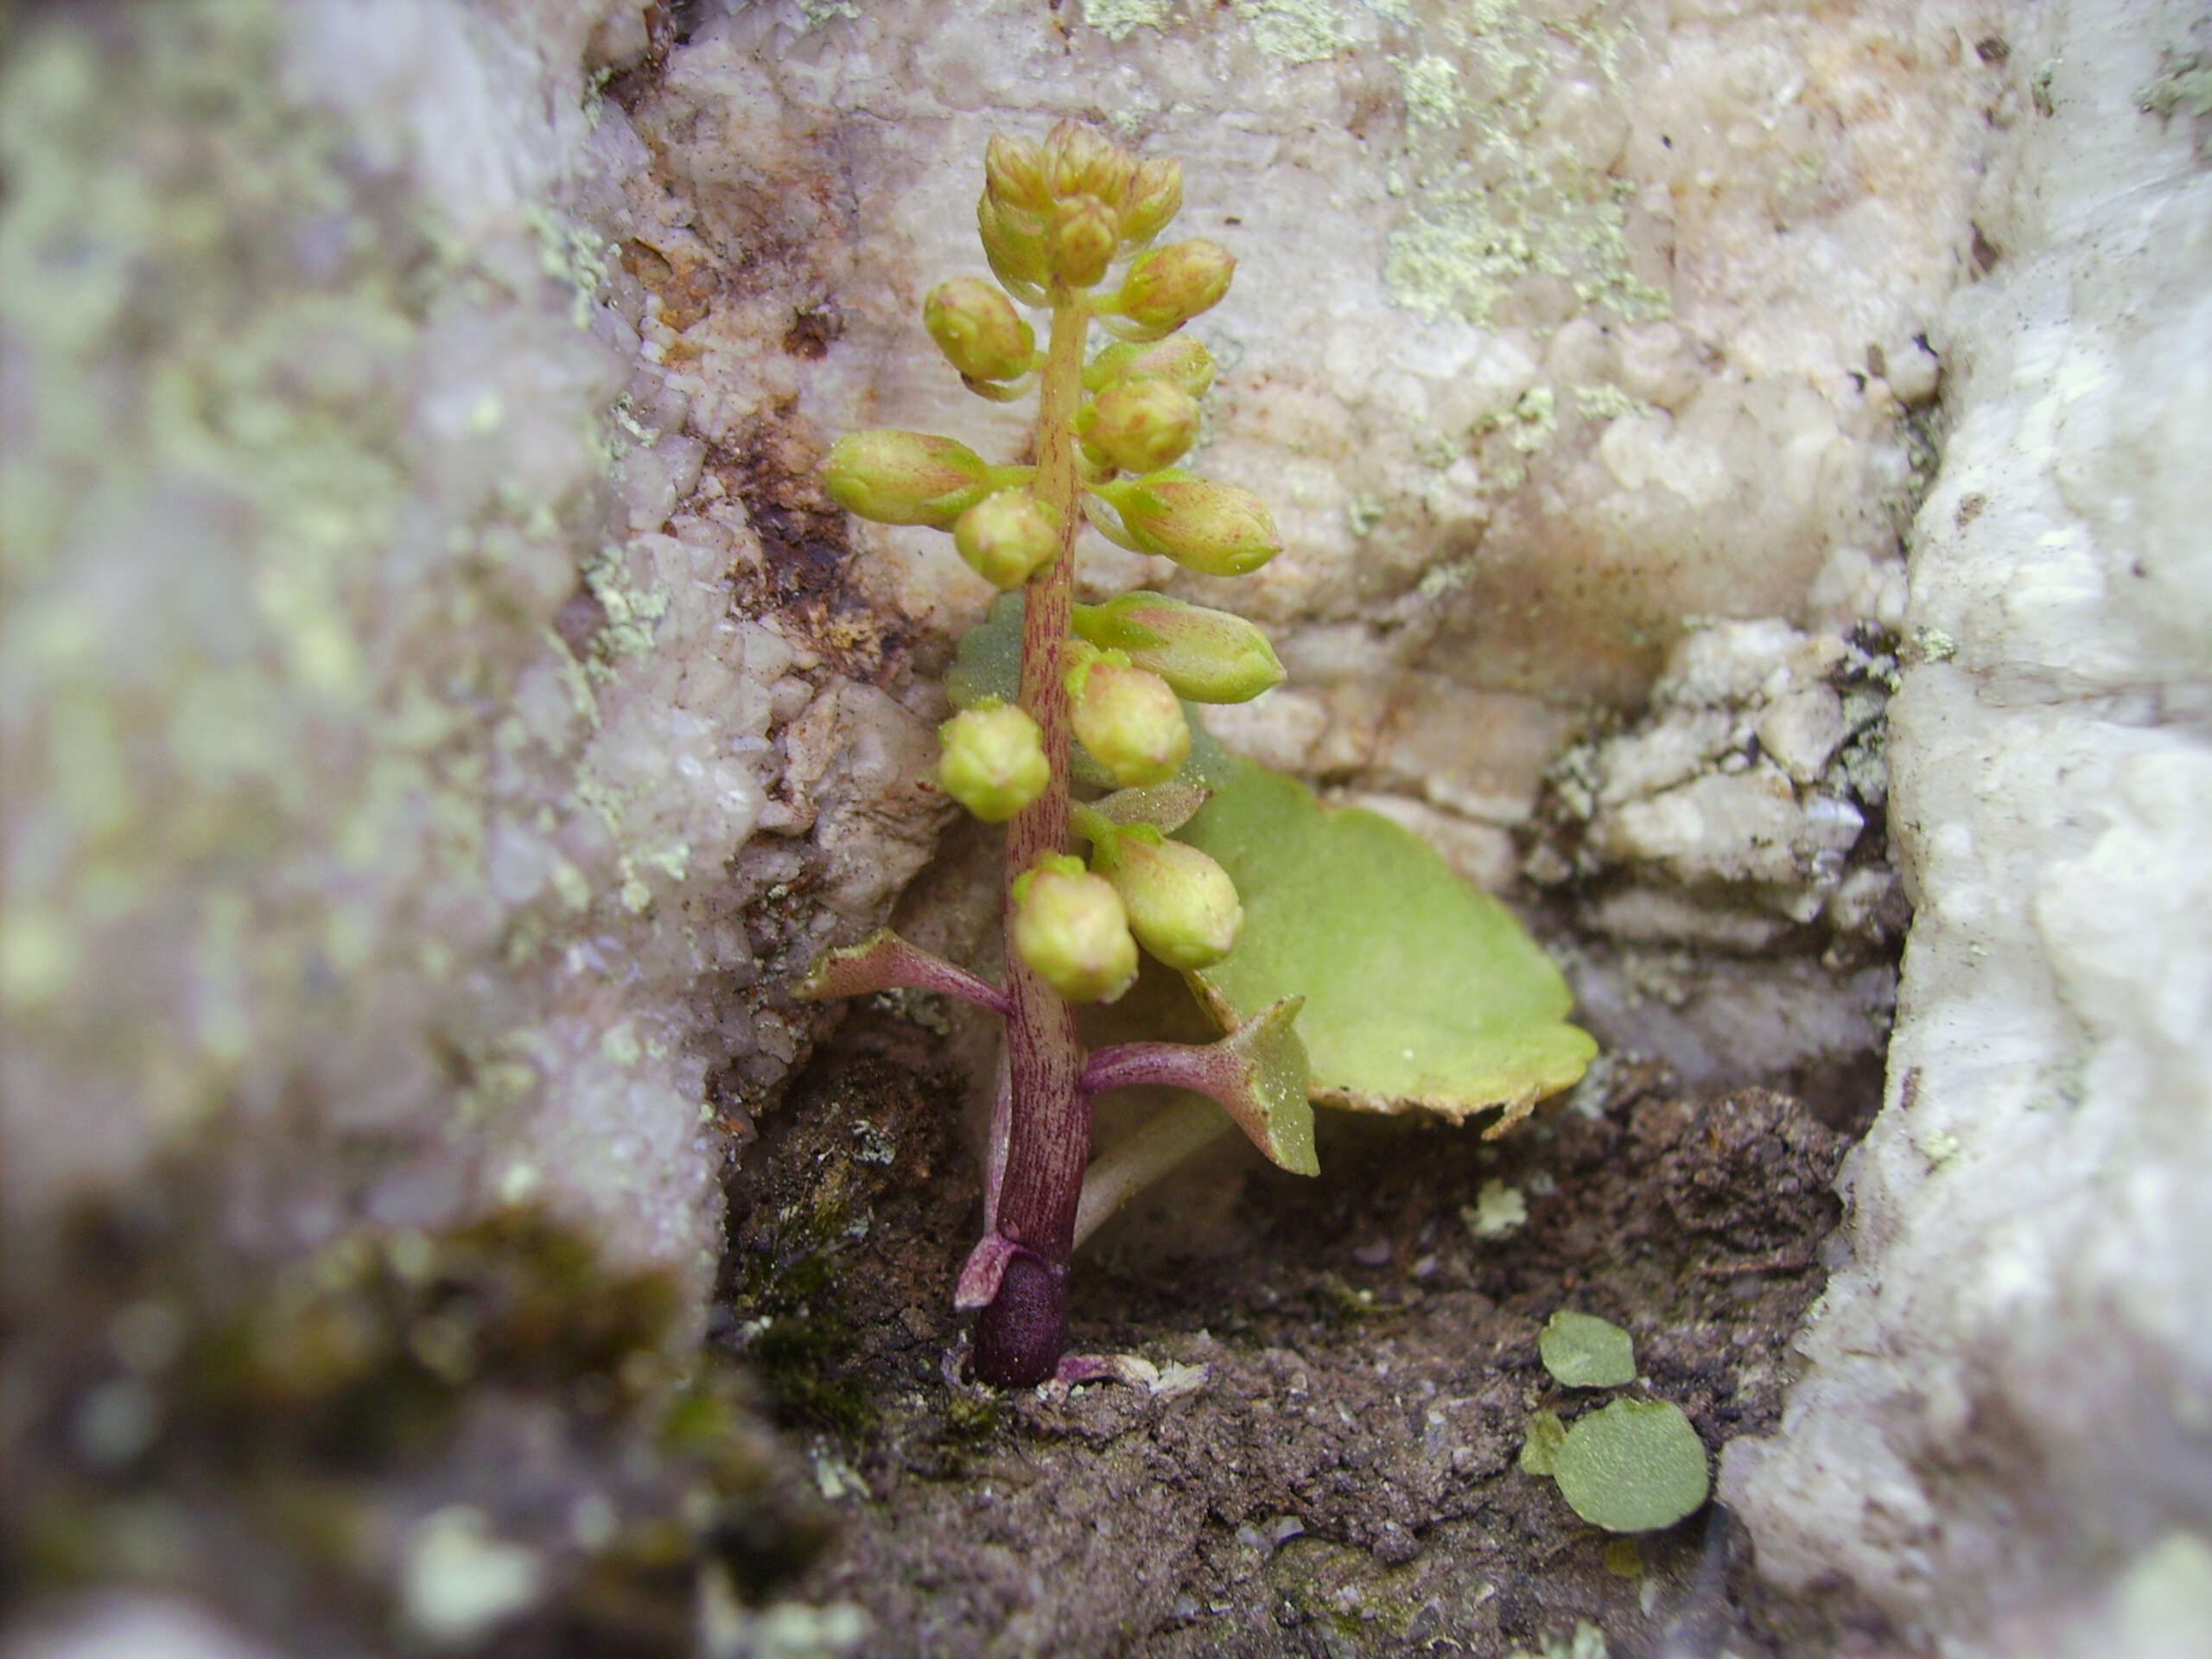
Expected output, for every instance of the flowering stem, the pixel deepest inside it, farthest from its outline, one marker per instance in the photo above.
(1055, 220)
(1020, 1334)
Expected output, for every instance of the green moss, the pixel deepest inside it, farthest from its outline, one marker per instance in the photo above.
(975, 1416)
(292, 1409)
(799, 1339)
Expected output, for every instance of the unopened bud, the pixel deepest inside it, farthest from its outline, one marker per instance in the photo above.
(1205, 655)
(1216, 529)
(977, 327)
(1013, 172)
(1155, 196)
(1014, 242)
(1166, 288)
(1080, 162)
(1008, 538)
(1140, 426)
(1180, 359)
(1181, 905)
(1083, 238)
(1069, 926)
(905, 478)
(993, 760)
(1129, 718)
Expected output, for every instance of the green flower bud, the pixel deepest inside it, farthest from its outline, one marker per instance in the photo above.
(1182, 905)
(1014, 172)
(993, 760)
(1079, 162)
(1166, 288)
(1207, 656)
(1008, 538)
(978, 330)
(905, 478)
(1013, 244)
(1084, 232)
(1140, 426)
(1216, 530)
(1180, 359)
(1069, 927)
(1129, 719)
(1155, 196)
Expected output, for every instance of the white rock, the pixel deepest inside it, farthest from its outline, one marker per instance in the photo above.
(1800, 730)
(2017, 1358)
(1664, 755)
(1743, 827)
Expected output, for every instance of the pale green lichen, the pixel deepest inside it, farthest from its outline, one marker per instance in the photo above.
(1504, 440)
(2183, 86)
(1585, 1641)
(1430, 86)
(1297, 31)
(1606, 402)
(274, 565)
(631, 612)
(1492, 197)
(1118, 19)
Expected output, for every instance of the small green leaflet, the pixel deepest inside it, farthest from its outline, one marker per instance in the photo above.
(1420, 989)
(1637, 1465)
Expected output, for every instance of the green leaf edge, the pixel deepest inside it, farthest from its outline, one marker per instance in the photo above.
(1569, 1049)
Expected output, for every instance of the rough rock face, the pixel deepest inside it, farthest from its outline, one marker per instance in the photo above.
(1556, 323)
(380, 753)
(2003, 1434)
(374, 760)
(439, 699)
(438, 708)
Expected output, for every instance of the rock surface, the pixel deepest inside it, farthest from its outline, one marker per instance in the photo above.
(441, 707)
(2003, 1435)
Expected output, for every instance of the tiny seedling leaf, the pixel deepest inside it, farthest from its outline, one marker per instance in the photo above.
(1420, 990)
(1583, 1352)
(1635, 1466)
(1540, 1451)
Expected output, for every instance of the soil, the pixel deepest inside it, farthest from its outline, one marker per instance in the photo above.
(1336, 1473)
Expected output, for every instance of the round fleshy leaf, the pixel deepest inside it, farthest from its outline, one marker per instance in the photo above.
(1583, 1352)
(1635, 1466)
(1420, 990)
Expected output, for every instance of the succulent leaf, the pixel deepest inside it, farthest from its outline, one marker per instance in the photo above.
(1421, 990)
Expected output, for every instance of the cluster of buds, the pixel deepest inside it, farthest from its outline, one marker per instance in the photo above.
(1079, 928)
(1056, 220)
(1059, 215)
(1070, 225)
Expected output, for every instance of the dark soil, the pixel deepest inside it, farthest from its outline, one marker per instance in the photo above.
(1342, 1477)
